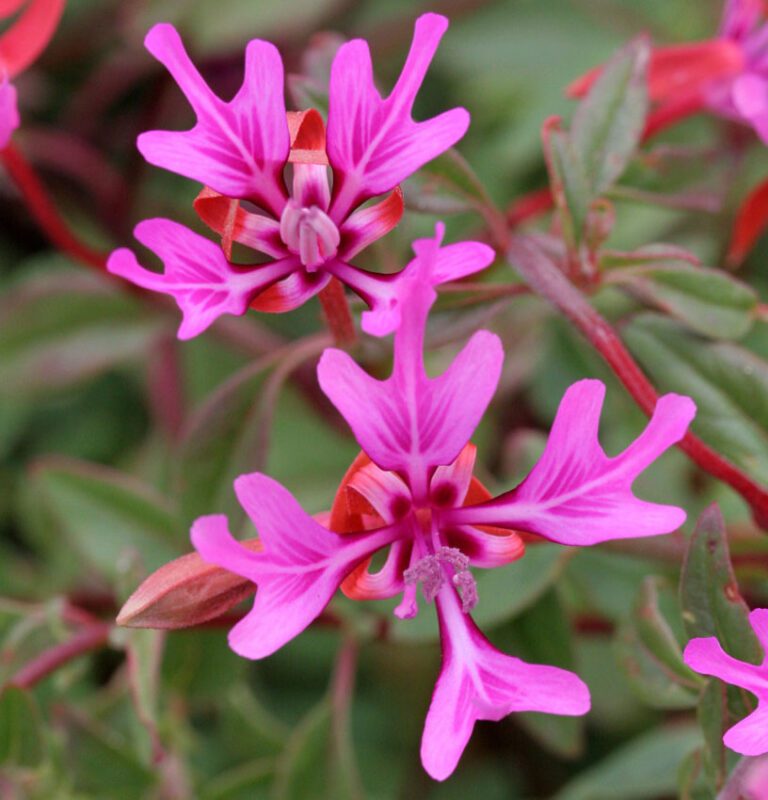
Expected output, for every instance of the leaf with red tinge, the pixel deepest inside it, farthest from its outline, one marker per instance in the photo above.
(709, 594)
(750, 224)
(713, 606)
(609, 122)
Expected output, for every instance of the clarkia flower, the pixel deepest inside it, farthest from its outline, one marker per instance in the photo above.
(20, 44)
(413, 493)
(706, 656)
(239, 150)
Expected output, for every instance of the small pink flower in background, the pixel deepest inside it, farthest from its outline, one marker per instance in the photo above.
(705, 655)
(755, 784)
(239, 151)
(9, 113)
(727, 74)
(413, 492)
(20, 45)
(743, 96)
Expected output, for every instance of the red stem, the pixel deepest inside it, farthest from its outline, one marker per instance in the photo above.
(44, 211)
(84, 641)
(337, 313)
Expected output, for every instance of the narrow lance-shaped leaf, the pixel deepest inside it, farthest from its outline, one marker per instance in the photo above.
(21, 733)
(709, 301)
(642, 769)
(651, 655)
(609, 122)
(104, 513)
(61, 327)
(220, 441)
(713, 606)
(709, 593)
(568, 180)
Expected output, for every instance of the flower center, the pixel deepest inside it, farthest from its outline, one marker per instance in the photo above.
(430, 571)
(309, 233)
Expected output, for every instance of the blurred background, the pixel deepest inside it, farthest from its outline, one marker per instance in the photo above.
(114, 436)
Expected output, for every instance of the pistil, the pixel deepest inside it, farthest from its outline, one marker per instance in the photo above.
(309, 233)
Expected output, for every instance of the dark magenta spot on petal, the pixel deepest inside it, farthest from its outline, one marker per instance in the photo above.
(444, 495)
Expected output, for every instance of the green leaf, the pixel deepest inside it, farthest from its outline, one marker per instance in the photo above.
(504, 592)
(220, 443)
(144, 652)
(21, 732)
(713, 606)
(563, 736)
(570, 184)
(105, 514)
(62, 327)
(643, 769)
(101, 761)
(728, 383)
(650, 653)
(708, 301)
(709, 593)
(245, 782)
(720, 708)
(609, 122)
(448, 185)
(303, 769)
(216, 27)
(689, 778)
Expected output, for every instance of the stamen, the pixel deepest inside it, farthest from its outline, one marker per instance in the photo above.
(430, 572)
(309, 233)
(467, 587)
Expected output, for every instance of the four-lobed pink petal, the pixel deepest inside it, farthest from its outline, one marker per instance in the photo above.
(576, 494)
(374, 144)
(198, 276)
(407, 426)
(477, 682)
(238, 148)
(298, 571)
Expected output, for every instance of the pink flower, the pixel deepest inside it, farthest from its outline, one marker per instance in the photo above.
(240, 149)
(413, 493)
(20, 44)
(9, 113)
(705, 655)
(727, 74)
(755, 783)
(743, 95)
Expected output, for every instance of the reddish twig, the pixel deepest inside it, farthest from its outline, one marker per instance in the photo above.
(84, 641)
(44, 212)
(549, 282)
(529, 206)
(337, 313)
